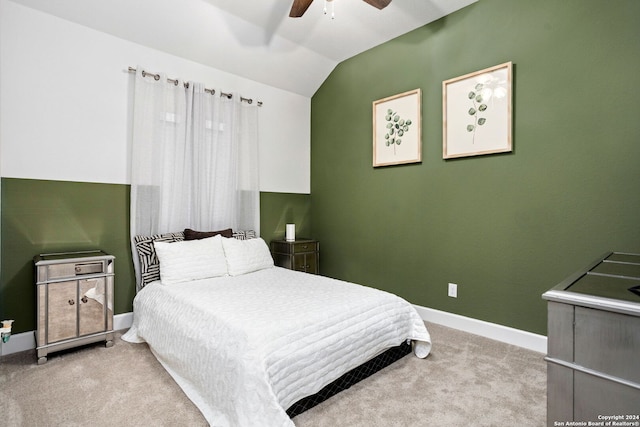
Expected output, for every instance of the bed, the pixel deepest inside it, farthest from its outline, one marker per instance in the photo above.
(250, 341)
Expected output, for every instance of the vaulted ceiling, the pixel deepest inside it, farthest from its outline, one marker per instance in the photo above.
(254, 39)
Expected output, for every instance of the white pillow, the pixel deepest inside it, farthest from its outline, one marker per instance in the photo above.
(191, 260)
(245, 256)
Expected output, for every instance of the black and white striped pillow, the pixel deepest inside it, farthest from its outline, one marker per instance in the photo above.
(149, 263)
(244, 234)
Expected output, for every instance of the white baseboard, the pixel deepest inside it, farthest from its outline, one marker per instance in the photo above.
(122, 321)
(27, 340)
(18, 342)
(493, 331)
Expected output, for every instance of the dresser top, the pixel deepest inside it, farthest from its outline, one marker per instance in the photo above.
(610, 283)
(70, 257)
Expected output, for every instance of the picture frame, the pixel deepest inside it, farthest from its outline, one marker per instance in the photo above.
(477, 113)
(397, 133)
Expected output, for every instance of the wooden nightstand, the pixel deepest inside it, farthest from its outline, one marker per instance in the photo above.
(300, 254)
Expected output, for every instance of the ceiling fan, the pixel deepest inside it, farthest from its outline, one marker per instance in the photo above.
(299, 7)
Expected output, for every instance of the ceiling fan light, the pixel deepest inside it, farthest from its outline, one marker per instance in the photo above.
(333, 8)
(299, 7)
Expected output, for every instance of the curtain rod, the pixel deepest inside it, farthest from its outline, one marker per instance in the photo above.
(186, 85)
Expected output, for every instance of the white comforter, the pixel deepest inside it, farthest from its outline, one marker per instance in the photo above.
(245, 348)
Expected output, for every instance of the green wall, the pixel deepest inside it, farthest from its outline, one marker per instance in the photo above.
(51, 216)
(504, 227)
(58, 216)
(279, 209)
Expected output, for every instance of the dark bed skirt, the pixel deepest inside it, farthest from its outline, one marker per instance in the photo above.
(350, 378)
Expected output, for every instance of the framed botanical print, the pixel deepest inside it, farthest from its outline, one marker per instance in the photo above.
(396, 129)
(477, 114)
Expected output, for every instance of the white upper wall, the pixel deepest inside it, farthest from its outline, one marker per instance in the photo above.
(254, 39)
(66, 98)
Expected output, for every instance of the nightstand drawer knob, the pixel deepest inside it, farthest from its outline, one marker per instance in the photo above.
(71, 302)
(84, 299)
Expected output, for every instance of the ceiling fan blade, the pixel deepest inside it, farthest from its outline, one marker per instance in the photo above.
(380, 4)
(299, 7)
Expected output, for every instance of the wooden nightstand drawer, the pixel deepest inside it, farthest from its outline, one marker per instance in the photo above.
(302, 247)
(295, 247)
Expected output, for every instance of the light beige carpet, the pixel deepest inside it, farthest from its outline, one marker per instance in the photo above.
(466, 381)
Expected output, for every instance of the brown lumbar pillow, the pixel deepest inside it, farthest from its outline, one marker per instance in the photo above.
(190, 234)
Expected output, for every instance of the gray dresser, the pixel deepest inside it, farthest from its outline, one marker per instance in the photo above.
(593, 355)
(74, 300)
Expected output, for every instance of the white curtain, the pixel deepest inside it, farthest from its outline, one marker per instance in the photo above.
(194, 159)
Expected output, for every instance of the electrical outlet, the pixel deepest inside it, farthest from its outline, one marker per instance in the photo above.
(453, 290)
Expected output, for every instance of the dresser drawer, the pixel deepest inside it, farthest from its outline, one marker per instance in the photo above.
(54, 267)
(61, 271)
